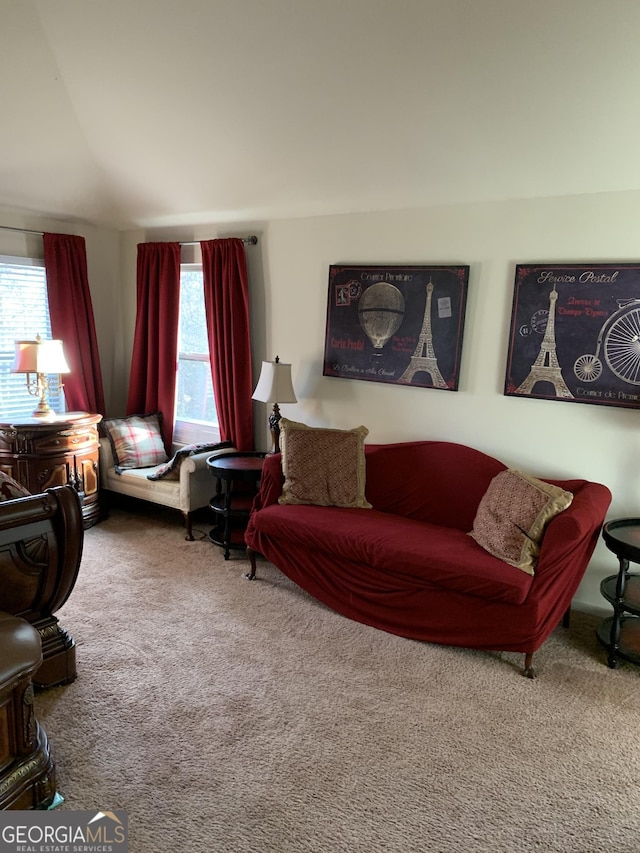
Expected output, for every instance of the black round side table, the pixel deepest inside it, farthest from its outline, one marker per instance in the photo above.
(231, 505)
(620, 633)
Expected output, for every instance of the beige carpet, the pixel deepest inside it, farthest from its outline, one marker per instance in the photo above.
(232, 716)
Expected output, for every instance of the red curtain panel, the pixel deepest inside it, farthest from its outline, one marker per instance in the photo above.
(71, 311)
(152, 382)
(226, 299)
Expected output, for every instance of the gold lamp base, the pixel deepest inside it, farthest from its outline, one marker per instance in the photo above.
(43, 410)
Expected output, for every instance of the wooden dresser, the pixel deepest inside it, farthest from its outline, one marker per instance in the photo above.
(65, 449)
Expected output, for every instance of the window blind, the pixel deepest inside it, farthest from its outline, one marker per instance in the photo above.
(24, 313)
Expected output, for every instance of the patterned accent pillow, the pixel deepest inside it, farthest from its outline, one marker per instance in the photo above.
(136, 441)
(325, 467)
(512, 516)
(10, 488)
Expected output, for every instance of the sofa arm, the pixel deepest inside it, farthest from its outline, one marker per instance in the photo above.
(568, 544)
(577, 524)
(106, 460)
(196, 481)
(198, 462)
(271, 482)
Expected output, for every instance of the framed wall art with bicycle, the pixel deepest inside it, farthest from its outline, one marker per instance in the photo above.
(575, 334)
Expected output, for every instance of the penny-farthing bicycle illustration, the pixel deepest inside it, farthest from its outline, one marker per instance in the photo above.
(619, 339)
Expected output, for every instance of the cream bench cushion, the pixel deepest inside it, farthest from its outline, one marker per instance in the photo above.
(191, 490)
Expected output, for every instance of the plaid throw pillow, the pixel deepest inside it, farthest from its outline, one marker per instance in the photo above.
(136, 441)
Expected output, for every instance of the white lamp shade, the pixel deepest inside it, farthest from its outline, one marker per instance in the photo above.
(39, 357)
(274, 384)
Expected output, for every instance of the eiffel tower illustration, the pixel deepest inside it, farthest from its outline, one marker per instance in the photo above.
(424, 358)
(546, 367)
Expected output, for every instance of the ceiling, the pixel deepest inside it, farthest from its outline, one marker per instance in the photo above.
(143, 113)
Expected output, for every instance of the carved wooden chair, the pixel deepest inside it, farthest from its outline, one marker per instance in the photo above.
(27, 772)
(41, 539)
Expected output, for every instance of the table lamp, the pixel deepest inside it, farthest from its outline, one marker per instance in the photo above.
(41, 358)
(275, 386)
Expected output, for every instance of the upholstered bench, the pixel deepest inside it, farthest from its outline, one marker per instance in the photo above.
(133, 462)
(27, 773)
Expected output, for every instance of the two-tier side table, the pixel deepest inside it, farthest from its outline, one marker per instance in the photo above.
(620, 633)
(237, 481)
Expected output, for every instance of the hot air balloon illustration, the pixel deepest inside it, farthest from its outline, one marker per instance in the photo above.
(380, 312)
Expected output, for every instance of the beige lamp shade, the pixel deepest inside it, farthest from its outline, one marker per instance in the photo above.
(274, 384)
(39, 357)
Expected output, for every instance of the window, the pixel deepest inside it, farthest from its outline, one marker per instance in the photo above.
(196, 419)
(24, 313)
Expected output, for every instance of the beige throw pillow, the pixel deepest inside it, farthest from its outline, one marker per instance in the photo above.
(512, 516)
(321, 466)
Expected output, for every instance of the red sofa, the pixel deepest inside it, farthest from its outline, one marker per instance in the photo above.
(408, 565)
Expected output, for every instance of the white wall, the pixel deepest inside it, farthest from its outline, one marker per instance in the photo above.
(288, 272)
(548, 438)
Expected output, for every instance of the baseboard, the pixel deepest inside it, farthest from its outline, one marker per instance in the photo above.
(592, 609)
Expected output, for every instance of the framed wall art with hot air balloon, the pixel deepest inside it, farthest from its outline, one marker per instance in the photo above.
(400, 325)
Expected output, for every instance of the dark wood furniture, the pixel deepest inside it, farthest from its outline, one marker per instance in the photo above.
(27, 773)
(620, 633)
(41, 539)
(237, 482)
(53, 452)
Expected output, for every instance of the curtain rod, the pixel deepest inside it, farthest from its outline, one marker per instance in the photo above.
(251, 240)
(21, 230)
